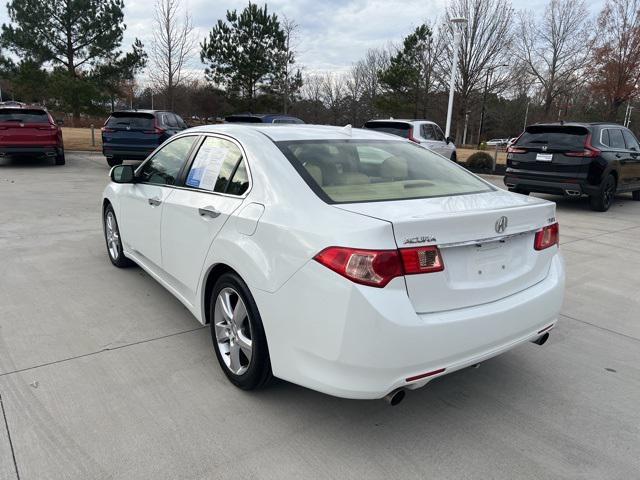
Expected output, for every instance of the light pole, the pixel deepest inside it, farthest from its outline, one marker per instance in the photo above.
(454, 65)
(484, 98)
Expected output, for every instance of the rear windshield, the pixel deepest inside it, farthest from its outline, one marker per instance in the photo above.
(23, 115)
(395, 128)
(138, 121)
(560, 137)
(347, 171)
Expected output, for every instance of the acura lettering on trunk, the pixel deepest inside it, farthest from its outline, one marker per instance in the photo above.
(347, 261)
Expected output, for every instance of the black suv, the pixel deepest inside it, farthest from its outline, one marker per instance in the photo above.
(594, 159)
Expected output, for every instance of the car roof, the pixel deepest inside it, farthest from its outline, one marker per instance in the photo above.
(401, 120)
(577, 124)
(293, 132)
(141, 111)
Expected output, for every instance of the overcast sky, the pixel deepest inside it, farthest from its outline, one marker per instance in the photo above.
(333, 33)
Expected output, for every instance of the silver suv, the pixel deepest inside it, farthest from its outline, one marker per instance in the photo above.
(424, 132)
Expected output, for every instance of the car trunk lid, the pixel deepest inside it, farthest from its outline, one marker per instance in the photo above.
(26, 127)
(481, 264)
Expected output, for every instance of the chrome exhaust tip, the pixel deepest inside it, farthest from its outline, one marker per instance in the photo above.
(573, 193)
(394, 398)
(541, 340)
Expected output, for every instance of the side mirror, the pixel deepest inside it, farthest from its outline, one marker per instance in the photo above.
(448, 140)
(60, 121)
(122, 174)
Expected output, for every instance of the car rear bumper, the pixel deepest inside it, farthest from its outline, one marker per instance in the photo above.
(352, 341)
(128, 152)
(49, 150)
(559, 186)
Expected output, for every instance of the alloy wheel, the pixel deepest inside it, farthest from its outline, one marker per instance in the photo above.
(233, 331)
(113, 236)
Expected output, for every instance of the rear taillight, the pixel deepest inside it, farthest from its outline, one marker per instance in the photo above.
(516, 150)
(411, 137)
(421, 260)
(377, 268)
(368, 267)
(155, 131)
(107, 130)
(48, 127)
(547, 237)
(589, 150)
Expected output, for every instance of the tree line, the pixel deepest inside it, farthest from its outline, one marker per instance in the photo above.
(514, 67)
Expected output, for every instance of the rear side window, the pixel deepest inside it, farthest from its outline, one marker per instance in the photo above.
(554, 136)
(23, 115)
(395, 128)
(131, 121)
(347, 171)
(428, 132)
(163, 168)
(630, 140)
(171, 120)
(219, 167)
(616, 140)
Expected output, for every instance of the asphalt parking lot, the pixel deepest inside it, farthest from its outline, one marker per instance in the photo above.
(103, 374)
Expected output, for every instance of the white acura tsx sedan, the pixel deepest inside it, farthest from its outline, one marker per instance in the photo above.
(351, 262)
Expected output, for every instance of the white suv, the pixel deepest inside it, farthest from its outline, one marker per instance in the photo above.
(424, 132)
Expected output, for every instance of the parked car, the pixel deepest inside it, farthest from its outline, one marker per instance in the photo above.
(134, 134)
(30, 131)
(261, 118)
(594, 159)
(500, 142)
(423, 132)
(357, 266)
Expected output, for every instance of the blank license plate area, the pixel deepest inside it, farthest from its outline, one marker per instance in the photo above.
(544, 157)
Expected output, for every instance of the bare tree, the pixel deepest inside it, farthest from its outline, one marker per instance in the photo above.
(172, 48)
(484, 45)
(615, 69)
(552, 48)
(312, 92)
(333, 95)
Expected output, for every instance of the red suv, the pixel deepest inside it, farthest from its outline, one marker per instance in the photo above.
(30, 131)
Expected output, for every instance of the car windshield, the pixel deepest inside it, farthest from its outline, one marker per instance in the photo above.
(552, 136)
(23, 115)
(394, 128)
(347, 171)
(137, 121)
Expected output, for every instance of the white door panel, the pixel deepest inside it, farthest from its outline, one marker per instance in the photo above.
(190, 222)
(140, 215)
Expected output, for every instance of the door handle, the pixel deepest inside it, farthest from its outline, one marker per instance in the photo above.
(210, 212)
(154, 202)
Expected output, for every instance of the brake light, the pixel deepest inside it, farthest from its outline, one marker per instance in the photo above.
(411, 137)
(107, 130)
(156, 131)
(376, 268)
(547, 237)
(421, 260)
(48, 127)
(516, 150)
(589, 150)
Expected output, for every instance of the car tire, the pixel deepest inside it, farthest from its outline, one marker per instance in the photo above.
(603, 199)
(636, 195)
(113, 239)
(520, 191)
(239, 341)
(454, 157)
(60, 160)
(113, 161)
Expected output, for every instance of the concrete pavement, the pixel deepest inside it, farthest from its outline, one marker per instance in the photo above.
(104, 375)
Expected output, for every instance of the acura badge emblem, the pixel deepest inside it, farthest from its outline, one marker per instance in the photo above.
(501, 224)
(544, 148)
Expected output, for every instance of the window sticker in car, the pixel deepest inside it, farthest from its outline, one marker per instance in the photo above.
(206, 167)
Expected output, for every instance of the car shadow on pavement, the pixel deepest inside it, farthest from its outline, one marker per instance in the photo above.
(27, 162)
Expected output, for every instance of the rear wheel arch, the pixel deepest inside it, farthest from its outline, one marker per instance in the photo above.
(210, 280)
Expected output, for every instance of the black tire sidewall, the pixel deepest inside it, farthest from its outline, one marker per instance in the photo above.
(598, 201)
(121, 261)
(259, 372)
